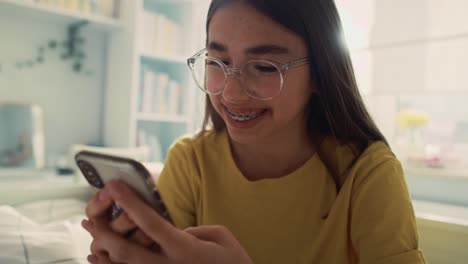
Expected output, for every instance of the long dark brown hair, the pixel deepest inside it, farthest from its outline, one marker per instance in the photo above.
(336, 109)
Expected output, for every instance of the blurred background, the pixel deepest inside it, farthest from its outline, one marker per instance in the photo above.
(111, 76)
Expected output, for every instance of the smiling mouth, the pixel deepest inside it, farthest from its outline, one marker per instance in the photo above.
(244, 117)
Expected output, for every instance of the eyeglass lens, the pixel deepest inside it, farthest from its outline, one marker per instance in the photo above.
(260, 79)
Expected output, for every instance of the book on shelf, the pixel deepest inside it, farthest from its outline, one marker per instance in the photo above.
(141, 138)
(107, 8)
(151, 140)
(160, 35)
(160, 91)
(146, 26)
(159, 94)
(174, 97)
(148, 91)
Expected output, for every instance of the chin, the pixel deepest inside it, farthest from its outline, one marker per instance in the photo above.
(241, 137)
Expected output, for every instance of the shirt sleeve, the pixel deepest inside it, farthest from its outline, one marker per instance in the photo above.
(179, 185)
(383, 225)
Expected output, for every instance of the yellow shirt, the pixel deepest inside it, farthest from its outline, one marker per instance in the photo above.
(298, 218)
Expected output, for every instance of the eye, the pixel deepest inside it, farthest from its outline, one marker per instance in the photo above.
(216, 62)
(212, 64)
(263, 68)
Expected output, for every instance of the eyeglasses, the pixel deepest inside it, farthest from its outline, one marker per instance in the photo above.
(260, 79)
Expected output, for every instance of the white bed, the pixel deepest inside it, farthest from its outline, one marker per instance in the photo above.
(40, 220)
(40, 217)
(47, 231)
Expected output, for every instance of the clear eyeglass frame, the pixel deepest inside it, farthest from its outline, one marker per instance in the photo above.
(237, 72)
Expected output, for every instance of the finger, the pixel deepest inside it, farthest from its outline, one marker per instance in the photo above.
(99, 204)
(87, 225)
(103, 258)
(121, 250)
(172, 240)
(99, 259)
(213, 233)
(122, 224)
(141, 238)
(125, 226)
(95, 248)
(134, 235)
(92, 259)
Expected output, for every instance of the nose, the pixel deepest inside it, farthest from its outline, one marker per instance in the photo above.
(233, 91)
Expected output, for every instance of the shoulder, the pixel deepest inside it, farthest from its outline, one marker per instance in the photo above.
(380, 202)
(354, 164)
(375, 155)
(187, 159)
(192, 146)
(377, 160)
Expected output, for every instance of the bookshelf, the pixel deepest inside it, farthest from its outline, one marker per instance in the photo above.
(134, 51)
(162, 118)
(164, 58)
(157, 102)
(43, 11)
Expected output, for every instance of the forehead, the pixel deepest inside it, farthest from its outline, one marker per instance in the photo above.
(239, 26)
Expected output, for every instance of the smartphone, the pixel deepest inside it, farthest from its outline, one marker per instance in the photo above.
(100, 168)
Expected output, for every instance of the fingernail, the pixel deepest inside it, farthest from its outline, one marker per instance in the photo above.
(92, 259)
(88, 225)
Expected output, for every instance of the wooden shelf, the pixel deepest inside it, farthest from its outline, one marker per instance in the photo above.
(39, 12)
(164, 58)
(161, 117)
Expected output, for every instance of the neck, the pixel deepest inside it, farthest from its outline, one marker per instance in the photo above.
(273, 157)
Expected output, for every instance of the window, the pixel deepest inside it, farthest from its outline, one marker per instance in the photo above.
(410, 59)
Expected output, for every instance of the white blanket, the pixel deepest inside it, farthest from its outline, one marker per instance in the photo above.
(44, 232)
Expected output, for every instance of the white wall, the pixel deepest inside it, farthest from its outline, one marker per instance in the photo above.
(72, 103)
(417, 51)
(415, 48)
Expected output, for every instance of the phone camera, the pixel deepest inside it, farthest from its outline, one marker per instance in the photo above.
(90, 173)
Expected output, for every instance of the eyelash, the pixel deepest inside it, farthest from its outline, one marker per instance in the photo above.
(224, 60)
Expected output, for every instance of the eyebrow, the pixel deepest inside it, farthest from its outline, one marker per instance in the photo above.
(257, 50)
(267, 49)
(216, 46)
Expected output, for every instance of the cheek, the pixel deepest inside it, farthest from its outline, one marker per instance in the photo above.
(215, 102)
(297, 91)
(293, 98)
(215, 80)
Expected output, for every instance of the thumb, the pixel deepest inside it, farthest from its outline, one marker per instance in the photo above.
(212, 233)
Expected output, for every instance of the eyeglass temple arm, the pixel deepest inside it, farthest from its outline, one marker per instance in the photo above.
(296, 63)
(191, 59)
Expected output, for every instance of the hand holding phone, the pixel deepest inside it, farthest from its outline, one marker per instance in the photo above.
(100, 168)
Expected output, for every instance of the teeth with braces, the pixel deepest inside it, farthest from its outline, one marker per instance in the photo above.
(242, 117)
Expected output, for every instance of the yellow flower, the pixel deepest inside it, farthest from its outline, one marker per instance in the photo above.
(411, 119)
